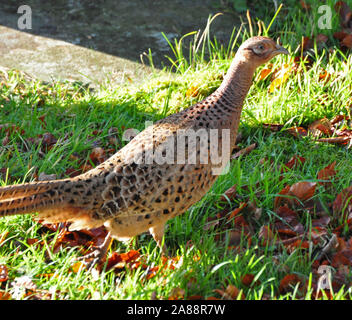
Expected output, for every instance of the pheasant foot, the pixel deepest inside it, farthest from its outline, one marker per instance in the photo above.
(97, 257)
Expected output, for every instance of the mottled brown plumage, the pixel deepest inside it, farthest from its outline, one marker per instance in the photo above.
(133, 191)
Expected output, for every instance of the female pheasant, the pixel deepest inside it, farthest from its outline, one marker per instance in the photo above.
(160, 173)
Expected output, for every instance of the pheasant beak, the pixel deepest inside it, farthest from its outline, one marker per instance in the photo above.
(280, 49)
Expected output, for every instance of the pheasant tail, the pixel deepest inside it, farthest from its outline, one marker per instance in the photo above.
(48, 199)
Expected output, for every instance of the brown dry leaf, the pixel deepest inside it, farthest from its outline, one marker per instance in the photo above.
(233, 292)
(292, 226)
(321, 126)
(340, 35)
(85, 167)
(266, 234)
(336, 140)
(9, 128)
(42, 120)
(303, 190)
(339, 118)
(295, 161)
(97, 155)
(345, 13)
(289, 282)
(280, 77)
(326, 174)
(321, 38)
(247, 279)
(130, 256)
(304, 5)
(264, 73)
(229, 193)
(343, 257)
(324, 75)
(48, 140)
(297, 244)
(235, 212)
(297, 132)
(244, 151)
(72, 172)
(307, 43)
(192, 91)
(120, 260)
(195, 297)
(5, 295)
(342, 204)
(77, 266)
(152, 272)
(274, 127)
(177, 294)
(347, 41)
(280, 198)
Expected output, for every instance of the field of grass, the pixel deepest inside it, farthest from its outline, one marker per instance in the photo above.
(52, 128)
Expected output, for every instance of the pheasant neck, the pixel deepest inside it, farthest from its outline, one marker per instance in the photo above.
(237, 82)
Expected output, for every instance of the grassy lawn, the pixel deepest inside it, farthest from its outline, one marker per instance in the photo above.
(53, 128)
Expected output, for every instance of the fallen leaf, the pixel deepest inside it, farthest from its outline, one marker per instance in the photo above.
(336, 140)
(345, 13)
(48, 140)
(229, 193)
(295, 161)
(77, 266)
(304, 5)
(192, 91)
(177, 294)
(235, 212)
(97, 155)
(195, 297)
(5, 295)
(303, 190)
(264, 73)
(297, 132)
(326, 174)
(244, 151)
(342, 204)
(247, 279)
(340, 35)
(288, 283)
(234, 292)
(266, 234)
(347, 41)
(274, 127)
(280, 77)
(307, 43)
(324, 75)
(281, 196)
(339, 118)
(321, 38)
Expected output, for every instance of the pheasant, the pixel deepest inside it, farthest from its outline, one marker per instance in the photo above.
(160, 173)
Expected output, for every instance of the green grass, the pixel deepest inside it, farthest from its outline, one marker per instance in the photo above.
(72, 113)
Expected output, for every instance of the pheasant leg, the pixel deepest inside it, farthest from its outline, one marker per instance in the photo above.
(158, 233)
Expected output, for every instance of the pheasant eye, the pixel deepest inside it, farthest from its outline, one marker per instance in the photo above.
(261, 47)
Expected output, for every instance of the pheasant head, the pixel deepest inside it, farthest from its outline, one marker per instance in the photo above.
(259, 50)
